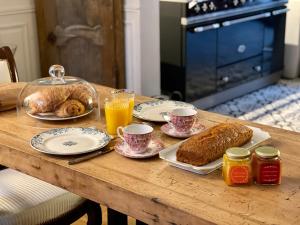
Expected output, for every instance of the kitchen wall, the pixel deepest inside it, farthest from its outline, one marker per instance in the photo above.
(142, 46)
(292, 40)
(18, 29)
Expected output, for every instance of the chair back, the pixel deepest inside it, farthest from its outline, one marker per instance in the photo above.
(8, 69)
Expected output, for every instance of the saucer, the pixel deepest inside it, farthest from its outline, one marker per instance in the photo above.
(155, 146)
(170, 130)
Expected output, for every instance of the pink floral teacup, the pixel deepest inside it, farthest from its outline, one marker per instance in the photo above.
(136, 136)
(182, 119)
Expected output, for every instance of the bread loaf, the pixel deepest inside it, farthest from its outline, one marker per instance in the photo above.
(212, 143)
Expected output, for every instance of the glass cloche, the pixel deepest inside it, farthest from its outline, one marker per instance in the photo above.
(58, 99)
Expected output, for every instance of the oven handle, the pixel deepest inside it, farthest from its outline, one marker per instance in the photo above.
(259, 16)
(280, 11)
(205, 28)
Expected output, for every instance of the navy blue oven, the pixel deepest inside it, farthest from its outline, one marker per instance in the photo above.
(210, 58)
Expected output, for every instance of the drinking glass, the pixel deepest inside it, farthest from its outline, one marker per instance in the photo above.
(125, 94)
(116, 113)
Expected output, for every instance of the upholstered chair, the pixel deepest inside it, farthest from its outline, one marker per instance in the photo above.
(25, 200)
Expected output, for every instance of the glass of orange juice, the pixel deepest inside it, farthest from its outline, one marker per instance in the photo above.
(125, 94)
(116, 113)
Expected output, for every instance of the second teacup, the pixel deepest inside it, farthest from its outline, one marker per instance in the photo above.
(182, 119)
(136, 136)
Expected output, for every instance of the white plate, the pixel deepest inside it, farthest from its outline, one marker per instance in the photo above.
(70, 141)
(152, 110)
(169, 154)
(53, 117)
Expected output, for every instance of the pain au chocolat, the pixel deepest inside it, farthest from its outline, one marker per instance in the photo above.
(211, 144)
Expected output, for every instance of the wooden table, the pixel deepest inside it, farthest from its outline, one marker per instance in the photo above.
(154, 192)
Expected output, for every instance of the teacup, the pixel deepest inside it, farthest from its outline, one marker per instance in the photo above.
(182, 119)
(136, 136)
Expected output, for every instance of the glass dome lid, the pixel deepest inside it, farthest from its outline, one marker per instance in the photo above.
(58, 98)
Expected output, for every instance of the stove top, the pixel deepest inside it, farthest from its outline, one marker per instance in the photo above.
(200, 7)
(197, 11)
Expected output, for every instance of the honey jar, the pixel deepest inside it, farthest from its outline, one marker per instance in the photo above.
(266, 165)
(237, 166)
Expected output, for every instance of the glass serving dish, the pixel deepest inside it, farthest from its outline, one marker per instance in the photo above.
(58, 99)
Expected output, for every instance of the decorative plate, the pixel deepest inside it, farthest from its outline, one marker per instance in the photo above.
(169, 154)
(152, 111)
(52, 117)
(168, 129)
(70, 141)
(155, 146)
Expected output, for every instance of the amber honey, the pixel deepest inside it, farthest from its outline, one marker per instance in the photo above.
(237, 167)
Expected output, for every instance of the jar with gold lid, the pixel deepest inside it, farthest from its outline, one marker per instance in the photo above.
(266, 165)
(237, 166)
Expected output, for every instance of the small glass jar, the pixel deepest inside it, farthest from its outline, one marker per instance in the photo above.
(237, 167)
(266, 165)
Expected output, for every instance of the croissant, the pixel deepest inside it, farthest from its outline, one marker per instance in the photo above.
(70, 108)
(47, 100)
(81, 93)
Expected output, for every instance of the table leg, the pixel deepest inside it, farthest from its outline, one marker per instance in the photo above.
(116, 218)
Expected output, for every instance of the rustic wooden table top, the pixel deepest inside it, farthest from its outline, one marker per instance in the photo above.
(154, 192)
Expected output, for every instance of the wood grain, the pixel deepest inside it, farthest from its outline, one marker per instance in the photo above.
(9, 95)
(85, 36)
(154, 192)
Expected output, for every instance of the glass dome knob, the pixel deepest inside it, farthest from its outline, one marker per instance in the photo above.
(57, 71)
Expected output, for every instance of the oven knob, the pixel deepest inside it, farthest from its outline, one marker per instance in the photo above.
(235, 2)
(204, 7)
(225, 79)
(212, 6)
(197, 9)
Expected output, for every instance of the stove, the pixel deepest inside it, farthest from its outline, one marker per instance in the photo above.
(215, 50)
(195, 7)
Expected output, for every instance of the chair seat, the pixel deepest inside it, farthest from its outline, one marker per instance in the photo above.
(25, 200)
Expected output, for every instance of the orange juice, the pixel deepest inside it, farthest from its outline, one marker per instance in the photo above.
(125, 94)
(116, 114)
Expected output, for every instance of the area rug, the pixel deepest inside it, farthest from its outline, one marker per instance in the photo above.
(276, 105)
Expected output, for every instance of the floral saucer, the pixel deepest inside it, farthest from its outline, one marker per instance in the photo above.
(168, 129)
(155, 146)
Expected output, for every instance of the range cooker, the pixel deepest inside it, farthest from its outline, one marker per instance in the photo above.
(215, 50)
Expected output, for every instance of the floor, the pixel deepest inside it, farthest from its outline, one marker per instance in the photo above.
(83, 220)
(277, 105)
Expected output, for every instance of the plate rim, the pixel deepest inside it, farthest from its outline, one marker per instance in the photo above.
(59, 118)
(136, 114)
(68, 154)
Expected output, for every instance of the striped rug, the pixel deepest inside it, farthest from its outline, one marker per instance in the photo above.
(276, 105)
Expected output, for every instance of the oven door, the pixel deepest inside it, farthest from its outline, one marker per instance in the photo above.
(200, 60)
(240, 39)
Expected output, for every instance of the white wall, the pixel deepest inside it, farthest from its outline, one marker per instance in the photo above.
(142, 48)
(292, 40)
(18, 27)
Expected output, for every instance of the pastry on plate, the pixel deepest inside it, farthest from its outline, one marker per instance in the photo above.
(47, 100)
(70, 108)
